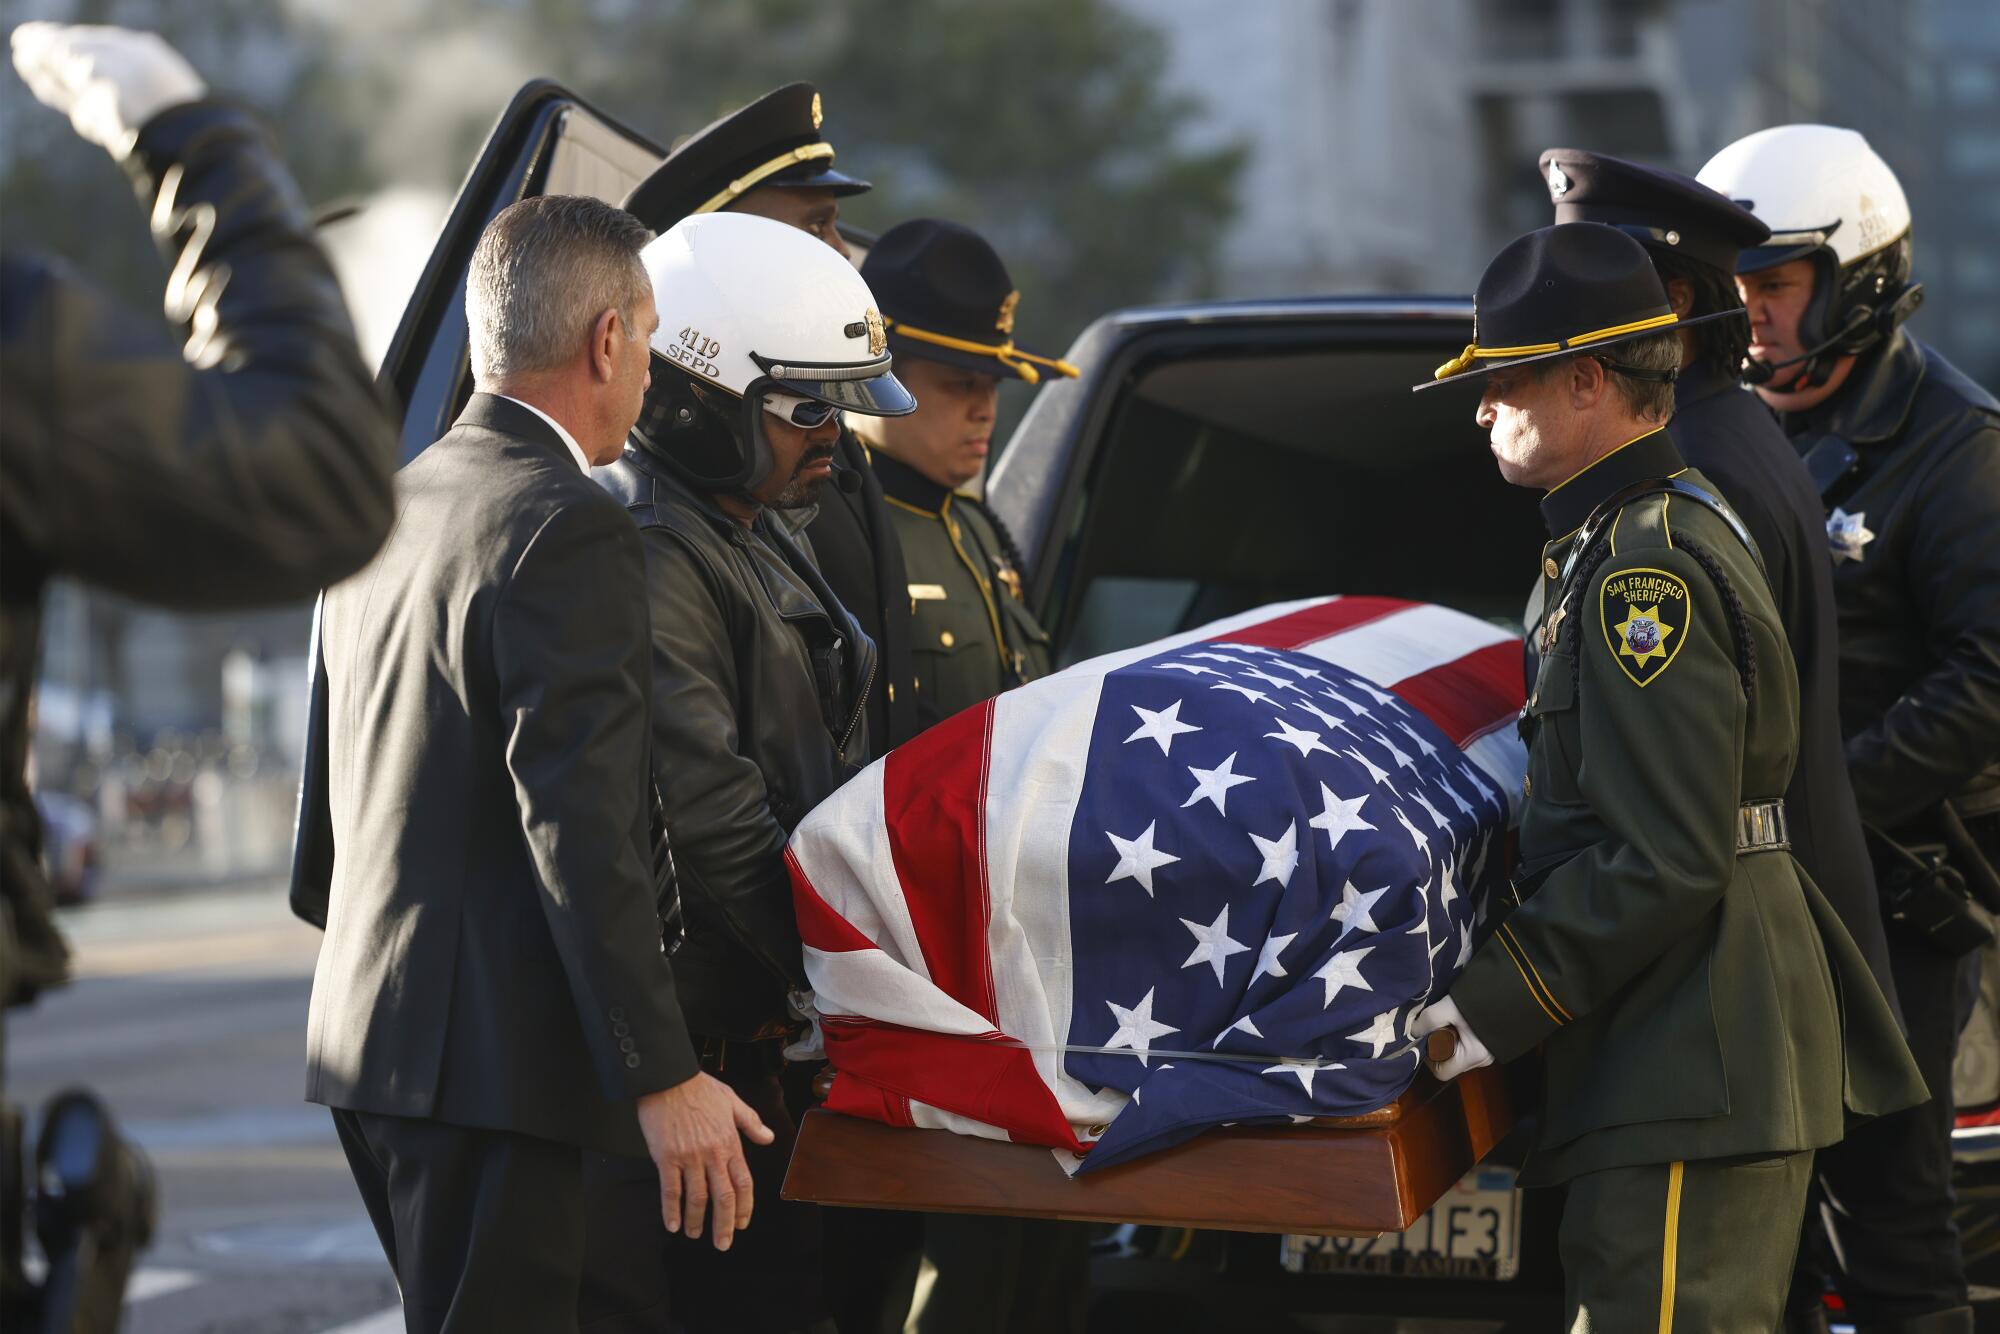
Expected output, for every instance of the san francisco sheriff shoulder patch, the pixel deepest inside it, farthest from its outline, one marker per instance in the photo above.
(1645, 615)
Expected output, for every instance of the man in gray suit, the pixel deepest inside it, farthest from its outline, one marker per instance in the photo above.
(492, 999)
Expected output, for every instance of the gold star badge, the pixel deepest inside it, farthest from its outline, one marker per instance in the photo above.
(1005, 322)
(816, 111)
(878, 336)
(1645, 616)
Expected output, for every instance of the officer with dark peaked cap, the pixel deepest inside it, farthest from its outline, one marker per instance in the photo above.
(764, 158)
(771, 158)
(949, 306)
(1693, 236)
(1705, 1020)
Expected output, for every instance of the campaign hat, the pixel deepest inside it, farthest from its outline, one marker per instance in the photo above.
(946, 296)
(1664, 211)
(773, 143)
(1573, 287)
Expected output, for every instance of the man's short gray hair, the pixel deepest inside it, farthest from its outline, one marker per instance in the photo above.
(543, 271)
(1649, 400)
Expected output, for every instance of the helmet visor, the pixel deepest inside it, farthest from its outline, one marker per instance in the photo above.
(867, 388)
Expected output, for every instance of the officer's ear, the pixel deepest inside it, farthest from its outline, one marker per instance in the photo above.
(606, 332)
(1585, 379)
(1680, 295)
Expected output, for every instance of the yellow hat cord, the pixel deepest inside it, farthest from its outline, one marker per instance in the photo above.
(1021, 363)
(1474, 352)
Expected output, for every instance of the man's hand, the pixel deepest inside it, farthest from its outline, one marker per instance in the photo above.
(691, 1133)
(108, 81)
(1471, 1053)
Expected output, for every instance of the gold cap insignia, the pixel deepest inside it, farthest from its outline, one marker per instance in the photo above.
(878, 336)
(816, 111)
(1005, 324)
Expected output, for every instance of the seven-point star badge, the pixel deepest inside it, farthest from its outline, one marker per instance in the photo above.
(1846, 534)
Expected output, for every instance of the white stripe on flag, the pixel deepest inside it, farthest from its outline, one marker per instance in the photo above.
(1040, 742)
(1407, 643)
(843, 846)
(870, 984)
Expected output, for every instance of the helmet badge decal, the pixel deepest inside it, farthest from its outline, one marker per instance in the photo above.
(1005, 322)
(1558, 181)
(816, 111)
(878, 336)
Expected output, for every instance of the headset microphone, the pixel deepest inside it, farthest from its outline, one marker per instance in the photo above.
(846, 478)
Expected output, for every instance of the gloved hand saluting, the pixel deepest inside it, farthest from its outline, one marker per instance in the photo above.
(1442, 1015)
(108, 81)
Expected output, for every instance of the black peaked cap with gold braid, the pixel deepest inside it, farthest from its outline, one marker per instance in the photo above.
(773, 142)
(946, 296)
(1573, 287)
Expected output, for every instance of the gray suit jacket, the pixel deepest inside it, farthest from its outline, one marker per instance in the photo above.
(492, 953)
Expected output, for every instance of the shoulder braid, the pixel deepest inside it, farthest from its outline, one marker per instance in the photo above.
(1744, 647)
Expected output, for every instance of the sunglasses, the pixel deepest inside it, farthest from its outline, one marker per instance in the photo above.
(808, 413)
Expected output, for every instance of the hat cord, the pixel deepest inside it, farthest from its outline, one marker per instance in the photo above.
(1006, 353)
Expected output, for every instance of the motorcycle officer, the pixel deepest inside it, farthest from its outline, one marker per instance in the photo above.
(1906, 453)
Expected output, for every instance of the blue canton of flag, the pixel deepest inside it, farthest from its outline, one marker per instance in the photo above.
(1274, 865)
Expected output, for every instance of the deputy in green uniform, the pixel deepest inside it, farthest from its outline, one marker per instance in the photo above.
(1705, 1020)
(949, 307)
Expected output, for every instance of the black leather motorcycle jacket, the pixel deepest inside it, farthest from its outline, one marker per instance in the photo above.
(760, 687)
(1914, 529)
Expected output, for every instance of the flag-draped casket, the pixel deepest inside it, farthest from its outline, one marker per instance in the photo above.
(1212, 879)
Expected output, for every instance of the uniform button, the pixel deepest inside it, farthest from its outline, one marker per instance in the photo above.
(945, 638)
(627, 1044)
(632, 1061)
(1549, 567)
(1528, 785)
(892, 692)
(617, 1015)
(620, 1030)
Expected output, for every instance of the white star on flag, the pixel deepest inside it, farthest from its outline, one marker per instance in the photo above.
(1325, 719)
(1341, 816)
(1212, 944)
(1307, 742)
(1138, 858)
(1303, 673)
(1254, 696)
(1380, 697)
(1192, 668)
(1267, 958)
(1413, 734)
(1451, 790)
(1437, 817)
(1464, 945)
(1161, 725)
(1379, 775)
(1281, 856)
(1355, 911)
(1304, 1069)
(1416, 835)
(1448, 885)
(1380, 1035)
(1344, 970)
(1212, 785)
(1258, 673)
(1137, 1028)
(1224, 657)
(1402, 761)
(1242, 1025)
(1343, 701)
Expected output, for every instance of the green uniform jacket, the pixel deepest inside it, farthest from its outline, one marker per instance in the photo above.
(972, 636)
(1692, 1002)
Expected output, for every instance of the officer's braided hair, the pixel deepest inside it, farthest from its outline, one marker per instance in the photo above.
(1745, 647)
(1720, 346)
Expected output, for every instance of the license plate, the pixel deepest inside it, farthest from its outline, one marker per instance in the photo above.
(1473, 1232)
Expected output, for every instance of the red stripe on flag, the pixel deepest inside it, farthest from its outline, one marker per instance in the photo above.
(1315, 623)
(819, 925)
(1470, 695)
(934, 806)
(988, 1079)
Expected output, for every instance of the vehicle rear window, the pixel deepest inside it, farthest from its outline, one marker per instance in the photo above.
(1229, 481)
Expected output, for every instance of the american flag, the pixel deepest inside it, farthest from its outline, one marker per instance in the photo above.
(1211, 879)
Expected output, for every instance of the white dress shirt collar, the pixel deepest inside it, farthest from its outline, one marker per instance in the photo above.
(568, 440)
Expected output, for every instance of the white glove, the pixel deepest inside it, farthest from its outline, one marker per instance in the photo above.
(108, 81)
(1471, 1053)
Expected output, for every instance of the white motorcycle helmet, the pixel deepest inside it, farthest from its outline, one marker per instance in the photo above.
(1826, 196)
(755, 317)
